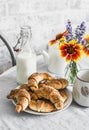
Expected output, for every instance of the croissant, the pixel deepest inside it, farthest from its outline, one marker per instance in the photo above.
(28, 87)
(35, 78)
(34, 98)
(51, 94)
(41, 106)
(63, 94)
(22, 97)
(56, 83)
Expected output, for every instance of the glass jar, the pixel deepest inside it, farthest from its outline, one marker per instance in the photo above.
(26, 58)
(71, 71)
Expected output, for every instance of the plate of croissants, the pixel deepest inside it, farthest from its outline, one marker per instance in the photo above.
(42, 95)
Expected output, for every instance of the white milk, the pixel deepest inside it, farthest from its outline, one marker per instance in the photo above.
(26, 65)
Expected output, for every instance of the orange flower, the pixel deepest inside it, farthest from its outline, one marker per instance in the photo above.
(86, 37)
(52, 42)
(60, 35)
(71, 50)
(86, 50)
(86, 46)
(58, 38)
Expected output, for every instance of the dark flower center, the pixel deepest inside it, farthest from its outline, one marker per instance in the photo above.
(70, 50)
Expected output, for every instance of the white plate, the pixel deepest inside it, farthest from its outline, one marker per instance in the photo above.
(66, 105)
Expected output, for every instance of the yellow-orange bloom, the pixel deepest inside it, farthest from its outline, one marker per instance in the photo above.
(86, 37)
(86, 50)
(59, 37)
(52, 42)
(71, 50)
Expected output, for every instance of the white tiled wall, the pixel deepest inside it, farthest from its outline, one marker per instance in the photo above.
(46, 17)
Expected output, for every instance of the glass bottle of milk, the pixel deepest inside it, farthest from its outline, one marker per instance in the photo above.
(26, 58)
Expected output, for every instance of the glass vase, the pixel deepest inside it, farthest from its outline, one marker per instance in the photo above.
(70, 71)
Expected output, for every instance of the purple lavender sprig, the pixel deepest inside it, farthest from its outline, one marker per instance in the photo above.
(79, 32)
(83, 41)
(69, 36)
(69, 27)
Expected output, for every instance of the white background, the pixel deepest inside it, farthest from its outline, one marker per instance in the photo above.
(46, 17)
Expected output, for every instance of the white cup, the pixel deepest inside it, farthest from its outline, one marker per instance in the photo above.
(81, 88)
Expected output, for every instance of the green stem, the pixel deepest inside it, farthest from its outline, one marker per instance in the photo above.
(72, 67)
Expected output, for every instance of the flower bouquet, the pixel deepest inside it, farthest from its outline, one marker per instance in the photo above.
(72, 45)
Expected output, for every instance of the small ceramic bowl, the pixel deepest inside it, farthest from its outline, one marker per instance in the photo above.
(81, 88)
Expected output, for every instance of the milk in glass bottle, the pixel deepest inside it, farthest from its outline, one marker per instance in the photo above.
(26, 58)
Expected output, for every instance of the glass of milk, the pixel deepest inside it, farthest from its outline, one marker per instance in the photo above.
(26, 58)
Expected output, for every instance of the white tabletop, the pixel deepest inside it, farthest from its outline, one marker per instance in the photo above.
(74, 117)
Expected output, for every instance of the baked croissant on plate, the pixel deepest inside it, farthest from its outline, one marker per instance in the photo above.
(22, 97)
(51, 94)
(41, 106)
(56, 83)
(43, 93)
(35, 78)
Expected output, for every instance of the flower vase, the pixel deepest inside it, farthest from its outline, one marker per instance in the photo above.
(70, 71)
